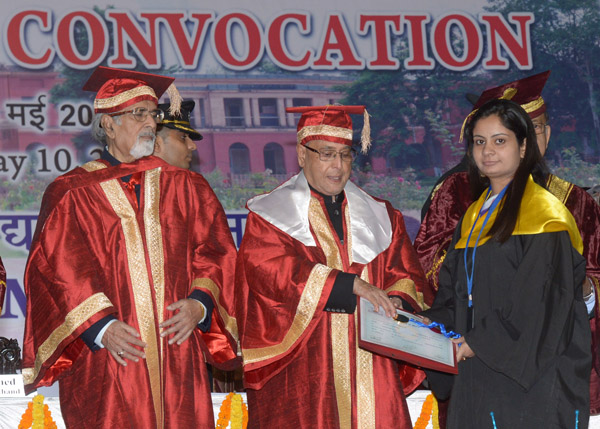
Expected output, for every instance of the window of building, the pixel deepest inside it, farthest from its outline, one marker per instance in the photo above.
(300, 102)
(234, 112)
(239, 158)
(201, 113)
(267, 108)
(274, 160)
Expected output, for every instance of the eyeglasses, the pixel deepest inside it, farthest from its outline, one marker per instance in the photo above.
(330, 154)
(141, 113)
(540, 128)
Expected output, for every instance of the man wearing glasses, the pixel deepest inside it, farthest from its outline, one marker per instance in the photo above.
(129, 259)
(310, 248)
(451, 198)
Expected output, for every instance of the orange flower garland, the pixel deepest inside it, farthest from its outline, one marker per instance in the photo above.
(429, 409)
(37, 415)
(233, 408)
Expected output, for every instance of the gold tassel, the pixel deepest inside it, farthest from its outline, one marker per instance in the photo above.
(175, 100)
(462, 129)
(365, 135)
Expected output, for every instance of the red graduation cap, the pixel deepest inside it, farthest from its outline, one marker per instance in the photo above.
(527, 92)
(117, 88)
(331, 123)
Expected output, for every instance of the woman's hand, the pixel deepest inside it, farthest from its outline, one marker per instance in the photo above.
(464, 351)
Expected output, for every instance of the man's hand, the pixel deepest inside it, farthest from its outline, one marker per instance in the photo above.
(121, 340)
(374, 295)
(397, 301)
(464, 351)
(184, 322)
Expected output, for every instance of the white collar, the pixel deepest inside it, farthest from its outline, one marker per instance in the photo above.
(286, 207)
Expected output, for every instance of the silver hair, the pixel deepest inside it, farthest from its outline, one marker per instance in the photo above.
(98, 132)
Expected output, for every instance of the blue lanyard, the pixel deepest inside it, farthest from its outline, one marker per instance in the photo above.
(442, 328)
(489, 213)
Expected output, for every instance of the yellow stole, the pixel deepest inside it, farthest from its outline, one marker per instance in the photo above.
(540, 212)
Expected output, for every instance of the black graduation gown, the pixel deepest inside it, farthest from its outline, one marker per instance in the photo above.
(530, 334)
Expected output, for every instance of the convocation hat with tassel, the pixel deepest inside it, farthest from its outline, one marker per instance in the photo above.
(331, 123)
(527, 92)
(117, 89)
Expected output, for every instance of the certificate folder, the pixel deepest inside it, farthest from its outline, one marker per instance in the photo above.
(403, 340)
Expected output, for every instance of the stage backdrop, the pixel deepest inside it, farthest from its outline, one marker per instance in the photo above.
(410, 63)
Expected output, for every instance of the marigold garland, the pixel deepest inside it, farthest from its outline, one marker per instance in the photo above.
(37, 415)
(435, 415)
(429, 409)
(233, 410)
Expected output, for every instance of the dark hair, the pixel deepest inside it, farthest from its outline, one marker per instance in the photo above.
(513, 117)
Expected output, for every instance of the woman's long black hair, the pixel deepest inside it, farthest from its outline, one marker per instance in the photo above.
(513, 117)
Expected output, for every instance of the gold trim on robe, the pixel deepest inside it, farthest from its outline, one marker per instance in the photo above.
(408, 287)
(560, 188)
(304, 314)
(140, 282)
(365, 382)
(154, 240)
(74, 319)
(93, 166)
(229, 321)
(340, 345)
(154, 244)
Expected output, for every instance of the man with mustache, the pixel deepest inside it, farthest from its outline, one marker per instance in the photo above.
(129, 259)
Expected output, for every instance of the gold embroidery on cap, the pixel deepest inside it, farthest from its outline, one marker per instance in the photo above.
(324, 130)
(107, 103)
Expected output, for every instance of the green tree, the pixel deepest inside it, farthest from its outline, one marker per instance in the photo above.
(565, 39)
(403, 102)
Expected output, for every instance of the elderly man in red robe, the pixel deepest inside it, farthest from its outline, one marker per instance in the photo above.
(311, 246)
(452, 196)
(125, 276)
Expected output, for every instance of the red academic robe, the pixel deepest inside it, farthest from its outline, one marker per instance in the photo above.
(95, 254)
(451, 200)
(302, 366)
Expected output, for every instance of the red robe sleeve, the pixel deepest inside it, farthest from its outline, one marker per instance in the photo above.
(63, 299)
(449, 202)
(586, 212)
(213, 267)
(282, 287)
(403, 274)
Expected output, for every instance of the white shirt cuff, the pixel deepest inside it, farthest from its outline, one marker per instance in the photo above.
(98, 340)
(203, 317)
(590, 303)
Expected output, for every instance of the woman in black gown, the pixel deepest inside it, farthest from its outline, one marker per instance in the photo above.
(511, 285)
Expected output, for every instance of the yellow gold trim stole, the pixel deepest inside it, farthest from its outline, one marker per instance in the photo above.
(304, 314)
(540, 212)
(139, 276)
(74, 319)
(230, 322)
